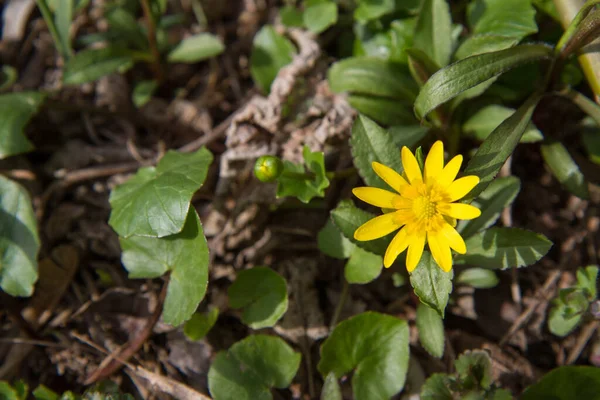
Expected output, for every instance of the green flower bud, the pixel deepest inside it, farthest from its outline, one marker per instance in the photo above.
(268, 168)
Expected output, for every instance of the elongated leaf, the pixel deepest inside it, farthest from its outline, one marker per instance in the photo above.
(92, 64)
(566, 383)
(262, 293)
(62, 18)
(19, 240)
(185, 254)
(142, 92)
(332, 242)
(432, 285)
(251, 367)
(408, 135)
(331, 388)
(454, 79)
(319, 15)
(375, 346)
(370, 142)
(124, 24)
(484, 121)
(362, 267)
(479, 278)
(564, 168)
(431, 330)
(499, 194)
(498, 146)
(196, 48)
(433, 33)
(382, 109)
(270, 52)
(16, 109)
(501, 248)
(156, 200)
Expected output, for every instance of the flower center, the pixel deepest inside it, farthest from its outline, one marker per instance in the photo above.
(424, 208)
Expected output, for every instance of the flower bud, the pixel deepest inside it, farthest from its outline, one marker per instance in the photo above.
(268, 168)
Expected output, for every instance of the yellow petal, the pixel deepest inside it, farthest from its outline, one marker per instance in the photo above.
(440, 251)
(459, 210)
(377, 227)
(434, 163)
(453, 238)
(450, 171)
(398, 245)
(460, 187)
(377, 197)
(389, 176)
(415, 251)
(411, 166)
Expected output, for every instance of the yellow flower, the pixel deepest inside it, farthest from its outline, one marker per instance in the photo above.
(423, 210)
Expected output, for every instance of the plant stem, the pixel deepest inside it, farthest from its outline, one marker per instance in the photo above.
(156, 64)
(586, 105)
(340, 305)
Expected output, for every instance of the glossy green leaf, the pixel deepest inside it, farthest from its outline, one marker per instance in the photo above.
(124, 24)
(372, 40)
(401, 38)
(43, 393)
(251, 367)
(291, 16)
(143, 91)
(196, 48)
(304, 189)
(16, 109)
(369, 143)
(484, 121)
(479, 278)
(200, 324)
(382, 109)
(19, 240)
(185, 254)
(431, 330)
(436, 387)
(333, 243)
(408, 135)
(421, 66)
(270, 52)
(319, 15)
(368, 10)
(564, 168)
(375, 346)
(566, 383)
(262, 293)
(372, 76)
(498, 195)
(499, 145)
(587, 279)
(474, 368)
(362, 267)
(155, 201)
(431, 284)
(497, 25)
(331, 388)
(501, 248)
(433, 32)
(454, 79)
(89, 65)
(347, 217)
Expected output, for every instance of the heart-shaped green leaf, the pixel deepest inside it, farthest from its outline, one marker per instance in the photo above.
(200, 324)
(431, 330)
(501, 248)
(564, 168)
(566, 383)
(362, 267)
(251, 367)
(270, 52)
(185, 254)
(262, 293)
(196, 48)
(479, 278)
(156, 200)
(433, 32)
(16, 109)
(375, 346)
(89, 65)
(19, 240)
(304, 189)
(432, 285)
(319, 14)
(561, 320)
(333, 243)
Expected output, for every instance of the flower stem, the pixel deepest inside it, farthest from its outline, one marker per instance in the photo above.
(156, 62)
(340, 305)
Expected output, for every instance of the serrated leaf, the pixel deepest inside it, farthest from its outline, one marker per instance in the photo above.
(375, 346)
(502, 248)
(499, 145)
(474, 368)
(497, 25)
(89, 65)
(370, 142)
(564, 168)
(362, 267)
(586, 280)
(433, 31)
(347, 217)
(155, 201)
(270, 52)
(436, 387)
(333, 243)
(331, 388)
(200, 324)
(142, 92)
(372, 76)
(566, 383)
(454, 79)
(196, 48)
(16, 109)
(304, 189)
(382, 109)
(251, 367)
(484, 121)
(431, 330)
(262, 293)
(185, 254)
(319, 15)
(479, 278)
(19, 240)
(432, 285)
(499, 194)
